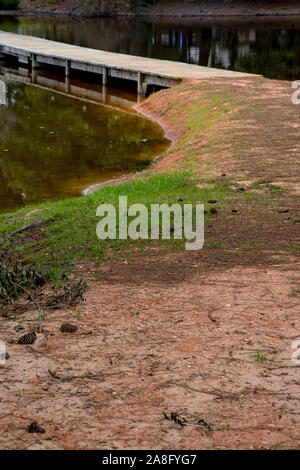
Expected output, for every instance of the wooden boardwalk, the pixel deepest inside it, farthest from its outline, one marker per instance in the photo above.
(145, 71)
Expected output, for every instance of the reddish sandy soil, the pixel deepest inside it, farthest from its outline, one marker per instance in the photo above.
(205, 335)
(191, 349)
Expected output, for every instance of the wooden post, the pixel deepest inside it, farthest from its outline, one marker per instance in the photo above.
(140, 83)
(104, 76)
(67, 84)
(33, 61)
(67, 68)
(104, 94)
(142, 86)
(33, 75)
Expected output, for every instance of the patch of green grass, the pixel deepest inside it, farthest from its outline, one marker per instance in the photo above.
(274, 189)
(68, 233)
(295, 291)
(215, 244)
(294, 249)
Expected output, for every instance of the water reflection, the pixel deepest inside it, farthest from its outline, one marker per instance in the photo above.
(86, 90)
(52, 145)
(2, 93)
(264, 46)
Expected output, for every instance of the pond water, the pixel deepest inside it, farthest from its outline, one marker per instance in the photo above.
(53, 145)
(270, 47)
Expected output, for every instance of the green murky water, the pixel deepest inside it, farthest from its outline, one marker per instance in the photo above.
(54, 146)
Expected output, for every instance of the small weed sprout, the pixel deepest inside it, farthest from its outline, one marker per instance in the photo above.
(261, 358)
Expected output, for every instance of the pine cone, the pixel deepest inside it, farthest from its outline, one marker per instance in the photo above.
(68, 328)
(29, 338)
(34, 427)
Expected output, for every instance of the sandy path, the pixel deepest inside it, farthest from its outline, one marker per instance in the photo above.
(190, 349)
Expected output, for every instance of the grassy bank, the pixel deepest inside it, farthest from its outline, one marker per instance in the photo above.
(67, 228)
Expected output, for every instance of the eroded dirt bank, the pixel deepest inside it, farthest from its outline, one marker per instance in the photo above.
(204, 335)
